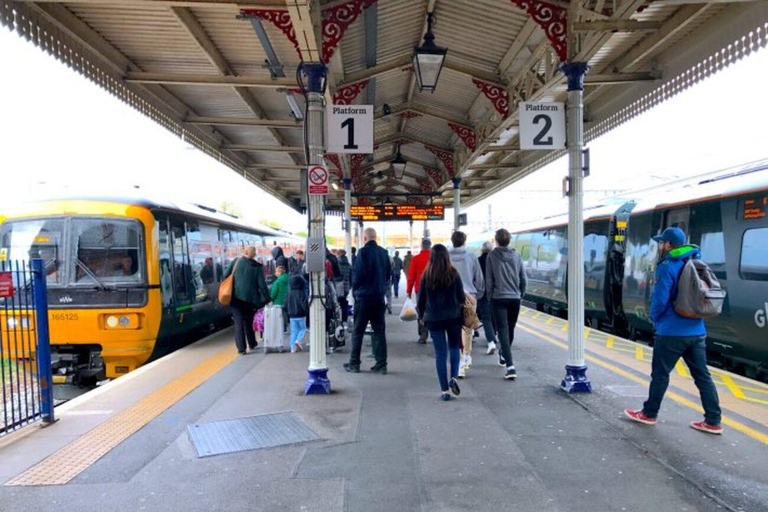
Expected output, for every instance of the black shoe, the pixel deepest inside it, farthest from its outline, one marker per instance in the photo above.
(382, 369)
(454, 387)
(502, 362)
(511, 374)
(242, 353)
(352, 368)
(476, 334)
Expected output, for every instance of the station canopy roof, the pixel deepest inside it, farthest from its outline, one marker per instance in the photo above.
(222, 75)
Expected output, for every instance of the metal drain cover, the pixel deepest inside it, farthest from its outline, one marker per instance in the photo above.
(252, 433)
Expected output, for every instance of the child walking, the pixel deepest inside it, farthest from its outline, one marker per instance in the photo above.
(296, 307)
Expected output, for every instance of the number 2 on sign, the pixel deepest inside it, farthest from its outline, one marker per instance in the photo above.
(349, 124)
(539, 139)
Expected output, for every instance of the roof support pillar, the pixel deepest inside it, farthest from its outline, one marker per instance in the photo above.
(317, 381)
(456, 202)
(575, 380)
(348, 217)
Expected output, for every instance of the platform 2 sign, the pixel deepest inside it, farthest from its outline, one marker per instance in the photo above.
(542, 125)
(6, 285)
(396, 212)
(317, 180)
(349, 128)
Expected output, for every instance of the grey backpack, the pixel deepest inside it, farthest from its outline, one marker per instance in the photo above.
(699, 294)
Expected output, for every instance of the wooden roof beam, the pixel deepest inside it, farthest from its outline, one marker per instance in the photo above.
(242, 121)
(209, 80)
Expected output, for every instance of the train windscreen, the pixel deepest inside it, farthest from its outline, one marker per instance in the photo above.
(38, 238)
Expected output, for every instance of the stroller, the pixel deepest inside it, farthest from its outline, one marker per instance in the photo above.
(334, 326)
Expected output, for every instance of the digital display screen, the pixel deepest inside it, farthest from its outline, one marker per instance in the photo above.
(392, 212)
(755, 208)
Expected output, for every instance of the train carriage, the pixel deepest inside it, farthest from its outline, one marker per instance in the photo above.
(725, 214)
(129, 279)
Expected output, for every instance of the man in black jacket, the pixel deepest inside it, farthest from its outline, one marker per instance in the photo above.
(249, 295)
(372, 274)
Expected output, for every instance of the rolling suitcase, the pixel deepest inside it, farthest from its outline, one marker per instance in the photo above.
(274, 340)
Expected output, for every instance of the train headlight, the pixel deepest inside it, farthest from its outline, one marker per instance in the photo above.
(122, 322)
(14, 323)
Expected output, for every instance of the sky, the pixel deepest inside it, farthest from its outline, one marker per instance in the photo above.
(61, 132)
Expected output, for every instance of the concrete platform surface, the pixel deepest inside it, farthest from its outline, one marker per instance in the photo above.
(390, 444)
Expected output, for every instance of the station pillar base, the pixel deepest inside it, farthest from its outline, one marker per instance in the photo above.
(576, 380)
(317, 383)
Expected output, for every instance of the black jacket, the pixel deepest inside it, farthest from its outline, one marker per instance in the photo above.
(279, 257)
(441, 305)
(296, 304)
(371, 273)
(482, 259)
(250, 285)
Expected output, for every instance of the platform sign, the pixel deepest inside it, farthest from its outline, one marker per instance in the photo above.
(349, 128)
(396, 212)
(542, 125)
(317, 180)
(6, 285)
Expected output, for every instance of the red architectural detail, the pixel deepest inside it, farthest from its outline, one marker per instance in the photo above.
(401, 141)
(356, 161)
(346, 95)
(334, 159)
(437, 176)
(336, 21)
(425, 186)
(465, 134)
(408, 114)
(553, 19)
(279, 18)
(296, 91)
(498, 96)
(446, 157)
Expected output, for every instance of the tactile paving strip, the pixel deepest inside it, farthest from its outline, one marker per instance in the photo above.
(76, 457)
(252, 433)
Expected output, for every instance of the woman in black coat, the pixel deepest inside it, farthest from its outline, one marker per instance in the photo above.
(441, 306)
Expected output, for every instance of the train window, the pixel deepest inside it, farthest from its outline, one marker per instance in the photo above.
(594, 252)
(22, 240)
(678, 218)
(107, 251)
(203, 270)
(166, 277)
(713, 248)
(182, 273)
(754, 257)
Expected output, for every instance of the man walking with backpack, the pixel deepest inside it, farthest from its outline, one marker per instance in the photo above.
(677, 336)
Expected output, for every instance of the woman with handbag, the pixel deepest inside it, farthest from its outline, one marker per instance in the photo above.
(441, 306)
(248, 293)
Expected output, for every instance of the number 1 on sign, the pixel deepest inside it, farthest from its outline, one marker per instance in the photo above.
(349, 124)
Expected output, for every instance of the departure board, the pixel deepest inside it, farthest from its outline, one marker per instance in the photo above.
(755, 208)
(393, 212)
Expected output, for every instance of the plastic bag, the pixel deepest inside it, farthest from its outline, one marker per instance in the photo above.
(409, 313)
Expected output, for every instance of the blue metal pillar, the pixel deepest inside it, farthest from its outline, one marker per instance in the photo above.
(575, 380)
(43, 348)
(313, 81)
(456, 202)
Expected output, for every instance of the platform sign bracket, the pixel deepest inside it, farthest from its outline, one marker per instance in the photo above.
(542, 125)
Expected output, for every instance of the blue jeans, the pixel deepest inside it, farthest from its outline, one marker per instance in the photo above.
(298, 329)
(667, 350)
(443, 348)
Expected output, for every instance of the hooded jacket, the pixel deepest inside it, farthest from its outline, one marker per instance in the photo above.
(504, 274)
(418, 264)
(663, 315)
(346, 273)
(279, 290)
(296, 304)
(279, 257)
(469, 269)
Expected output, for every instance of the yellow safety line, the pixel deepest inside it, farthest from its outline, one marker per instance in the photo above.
(550, 320)
(736, 425)
(76, 457)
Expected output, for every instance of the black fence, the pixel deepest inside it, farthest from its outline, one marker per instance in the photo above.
(25, 349)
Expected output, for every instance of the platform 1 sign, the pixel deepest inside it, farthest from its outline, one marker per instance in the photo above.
(542, 125)
(6, 285)
(349, 128)
(317, 180)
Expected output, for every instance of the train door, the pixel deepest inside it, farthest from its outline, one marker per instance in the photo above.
(678, 218)
(595, 250)
(706, 231)
(745, 223)
(614, 270)
(183, 285)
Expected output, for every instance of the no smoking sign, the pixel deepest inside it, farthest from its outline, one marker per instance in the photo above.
(317, 178)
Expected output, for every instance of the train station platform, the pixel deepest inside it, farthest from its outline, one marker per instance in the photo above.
(388, 443)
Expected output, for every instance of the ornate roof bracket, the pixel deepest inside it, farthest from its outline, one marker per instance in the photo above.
(347, 94)
(467, 135)
(445, 157)
(553, 19)
(280, 18)
(497, 95)
(436, 175)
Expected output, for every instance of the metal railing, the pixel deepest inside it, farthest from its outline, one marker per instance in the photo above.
(25, 349)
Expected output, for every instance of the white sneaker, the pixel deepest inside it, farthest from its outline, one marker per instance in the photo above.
(491, 348)
(468, 360)
(462, 371)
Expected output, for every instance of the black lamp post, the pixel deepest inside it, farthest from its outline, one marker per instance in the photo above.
(399, 164)
(428, 59)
